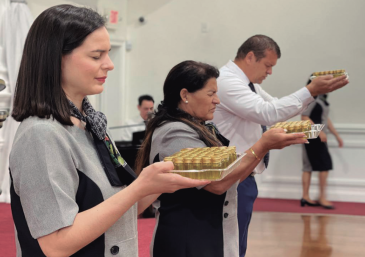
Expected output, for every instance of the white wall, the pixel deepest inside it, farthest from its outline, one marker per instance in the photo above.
(313, 36)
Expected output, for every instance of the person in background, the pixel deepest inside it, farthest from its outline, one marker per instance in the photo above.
(316, 156)
(71, 191)
(138, 123)
(246, 109)
(202, 221)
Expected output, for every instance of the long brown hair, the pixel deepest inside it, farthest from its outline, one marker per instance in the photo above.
(192, 76)
(55, 33)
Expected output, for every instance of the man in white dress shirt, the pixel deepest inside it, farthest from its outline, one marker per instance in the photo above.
(246, 109)
(136, 124)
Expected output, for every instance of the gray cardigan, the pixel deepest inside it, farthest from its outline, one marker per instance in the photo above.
(56, 173)
(171, 137)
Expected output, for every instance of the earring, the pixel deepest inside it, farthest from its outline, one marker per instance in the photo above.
(186, 101)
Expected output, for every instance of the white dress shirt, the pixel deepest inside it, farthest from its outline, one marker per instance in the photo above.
(127, 132)
(241, 112)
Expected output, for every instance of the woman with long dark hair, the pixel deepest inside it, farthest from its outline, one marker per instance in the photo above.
(200, 221)
(71, 191)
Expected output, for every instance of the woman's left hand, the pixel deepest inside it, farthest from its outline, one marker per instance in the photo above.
(340, 142)
(276, 138)
(323, 136)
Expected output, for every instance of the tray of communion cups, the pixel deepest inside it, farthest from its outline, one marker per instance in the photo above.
(310, 130)
(208, 163)
(334, 73)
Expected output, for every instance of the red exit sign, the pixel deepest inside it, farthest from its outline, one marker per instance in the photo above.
(113, 17)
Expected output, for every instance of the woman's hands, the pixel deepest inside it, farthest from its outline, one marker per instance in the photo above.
(304, 117)
(277, 139)
(340, 141)
(157, 179)
(323, 137)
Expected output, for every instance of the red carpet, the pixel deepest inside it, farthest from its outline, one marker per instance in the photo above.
(284, 205)
(7, 243)
(145, 233)
(146, 226)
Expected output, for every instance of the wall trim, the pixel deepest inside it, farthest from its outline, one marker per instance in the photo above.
(5, 95)
(332, 143)
(350, 128)
(331, 182)
(296, 193)
(5, 98)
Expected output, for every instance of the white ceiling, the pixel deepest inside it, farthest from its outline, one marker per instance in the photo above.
(138, 8)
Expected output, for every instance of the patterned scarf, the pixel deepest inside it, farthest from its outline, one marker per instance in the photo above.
(209, 125)
(96, 123)
(213, 128)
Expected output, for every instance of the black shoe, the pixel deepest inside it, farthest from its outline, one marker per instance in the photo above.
(328, 207)
(304, 202)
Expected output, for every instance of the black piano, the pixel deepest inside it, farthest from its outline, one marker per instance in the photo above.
(128, 149)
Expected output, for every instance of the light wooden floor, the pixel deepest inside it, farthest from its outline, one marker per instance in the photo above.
(305, 235)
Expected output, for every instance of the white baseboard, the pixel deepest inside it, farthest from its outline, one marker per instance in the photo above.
(331, 182)
(5, 98)
(296, 193)
(5, 198)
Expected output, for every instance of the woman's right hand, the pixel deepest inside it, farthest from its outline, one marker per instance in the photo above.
(323, 137)
(277, 139)
(157, 179)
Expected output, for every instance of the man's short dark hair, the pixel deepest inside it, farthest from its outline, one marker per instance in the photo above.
(145, 97)
(258, 44)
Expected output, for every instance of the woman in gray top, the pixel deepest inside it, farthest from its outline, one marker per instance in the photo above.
(316, 156)
(71, 191)
(198, 222)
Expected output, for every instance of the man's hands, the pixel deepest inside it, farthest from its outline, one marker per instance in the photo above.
(326, 84)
